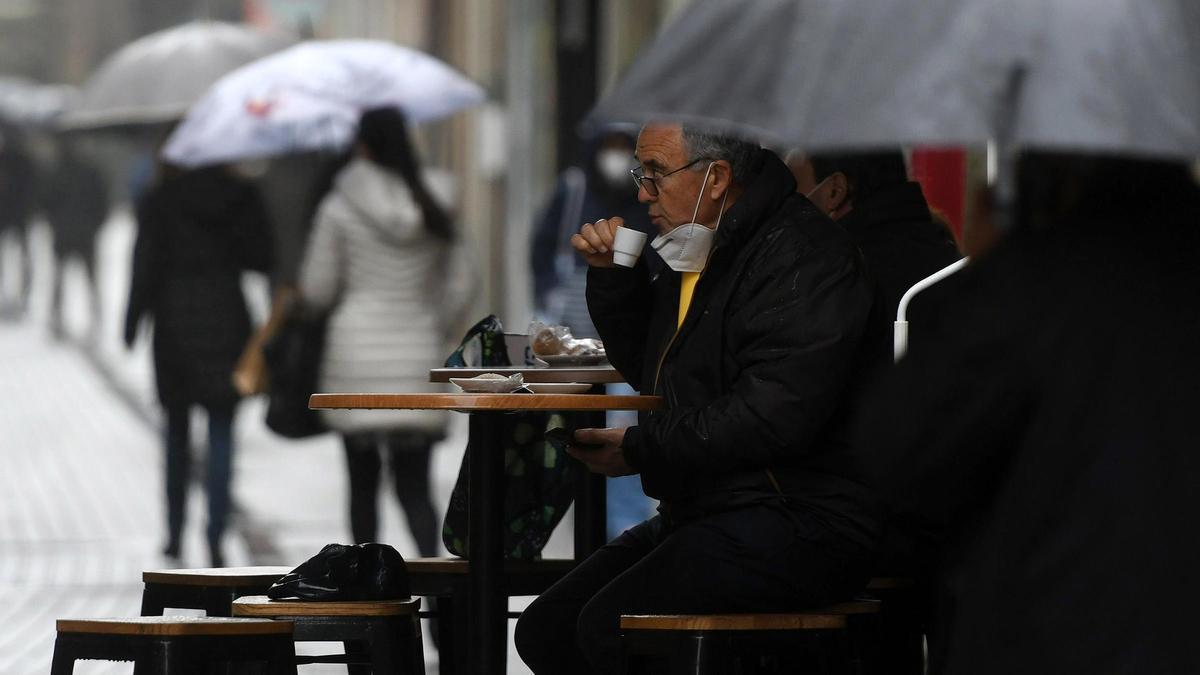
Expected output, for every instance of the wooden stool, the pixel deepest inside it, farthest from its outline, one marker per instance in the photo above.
(161, 645)
(211, 589)
(819, 641)
(446, 580)
(382, 634)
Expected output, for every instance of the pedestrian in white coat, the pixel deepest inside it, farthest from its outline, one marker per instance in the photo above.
(384, 259)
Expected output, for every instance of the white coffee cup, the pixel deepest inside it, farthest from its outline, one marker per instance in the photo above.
(627, 246)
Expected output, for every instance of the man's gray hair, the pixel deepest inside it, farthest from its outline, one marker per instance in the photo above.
(740, 154)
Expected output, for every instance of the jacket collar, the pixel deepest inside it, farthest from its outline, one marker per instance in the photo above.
(765, 192)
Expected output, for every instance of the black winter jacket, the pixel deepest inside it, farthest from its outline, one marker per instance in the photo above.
(754, 380)
(196, 233)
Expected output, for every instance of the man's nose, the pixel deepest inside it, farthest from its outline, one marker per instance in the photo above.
(644, 195)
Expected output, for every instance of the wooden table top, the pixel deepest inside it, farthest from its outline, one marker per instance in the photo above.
(583, 374)
(482, 402)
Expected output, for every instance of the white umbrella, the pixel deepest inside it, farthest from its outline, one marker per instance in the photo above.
(156, 78)
(309, 97)
(1096, 75)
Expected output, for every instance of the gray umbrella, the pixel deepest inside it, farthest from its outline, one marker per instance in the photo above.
(158, 77)
(1099, 75)
(26, 102)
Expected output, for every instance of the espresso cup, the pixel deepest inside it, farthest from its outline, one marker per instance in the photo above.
(627, 246)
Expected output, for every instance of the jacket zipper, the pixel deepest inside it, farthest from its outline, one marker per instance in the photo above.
(663, 357)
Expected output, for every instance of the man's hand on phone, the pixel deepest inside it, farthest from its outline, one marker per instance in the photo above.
(605, 455)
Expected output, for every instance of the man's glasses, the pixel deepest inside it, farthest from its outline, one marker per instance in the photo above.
(651, 182)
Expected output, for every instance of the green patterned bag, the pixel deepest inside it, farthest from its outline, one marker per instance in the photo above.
(538, 487)
(539, 479)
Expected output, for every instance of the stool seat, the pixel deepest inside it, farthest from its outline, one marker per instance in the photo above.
(382, 634)
(826, 618)
(161, 645)
(217, 576)
(823, 640)
(210, 589)
(174, 626)
(262, 606)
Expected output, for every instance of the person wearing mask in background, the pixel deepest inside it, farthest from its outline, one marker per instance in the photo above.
(872, 198)
(197, 232)
(598, 189)
(750, 338)
(75, 203)
(385, 261)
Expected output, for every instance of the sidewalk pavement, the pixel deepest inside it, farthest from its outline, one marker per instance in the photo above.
(81, 511)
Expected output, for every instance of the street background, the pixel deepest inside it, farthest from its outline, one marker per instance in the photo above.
(81, 484)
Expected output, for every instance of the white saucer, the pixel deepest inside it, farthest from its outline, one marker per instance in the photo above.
(472, 385)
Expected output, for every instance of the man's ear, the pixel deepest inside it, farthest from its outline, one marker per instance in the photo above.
(838, 191)
(720, 179)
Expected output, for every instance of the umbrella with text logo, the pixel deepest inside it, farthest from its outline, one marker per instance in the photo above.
(309, 97)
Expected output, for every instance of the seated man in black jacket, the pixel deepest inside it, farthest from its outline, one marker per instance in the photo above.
(751, 338)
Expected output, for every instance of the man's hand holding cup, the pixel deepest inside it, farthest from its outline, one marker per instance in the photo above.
(607, 242)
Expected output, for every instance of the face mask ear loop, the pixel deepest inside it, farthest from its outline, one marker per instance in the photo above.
(722, 213)
(700, 196)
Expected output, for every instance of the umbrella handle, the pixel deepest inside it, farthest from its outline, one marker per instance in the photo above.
(900, 327)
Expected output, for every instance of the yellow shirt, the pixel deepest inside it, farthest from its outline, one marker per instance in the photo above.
(686, 286)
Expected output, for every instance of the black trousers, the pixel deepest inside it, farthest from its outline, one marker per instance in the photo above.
(408, 454)
(755, 559)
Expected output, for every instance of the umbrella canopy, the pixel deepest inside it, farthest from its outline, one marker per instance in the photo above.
(158, 77)
(25, 102)
(1094, 75)
(309, 97)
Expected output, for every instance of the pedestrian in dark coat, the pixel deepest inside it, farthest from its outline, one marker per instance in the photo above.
(751, 344)
(1049, 425)
(75, 203)
(197, 231)
(18, 192)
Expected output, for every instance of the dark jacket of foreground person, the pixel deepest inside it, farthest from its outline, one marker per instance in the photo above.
(197, 231)
(754, 378)
(1051, 426)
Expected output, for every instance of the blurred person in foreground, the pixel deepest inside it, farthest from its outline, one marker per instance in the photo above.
(1047, 425)
(385, 261)
(599, 188)
(17, 200)
(750, 338)
(75, 202)
(197, 231)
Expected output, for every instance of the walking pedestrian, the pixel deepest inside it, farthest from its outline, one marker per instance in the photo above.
(75, 203)
(386, 263)
(197, 231)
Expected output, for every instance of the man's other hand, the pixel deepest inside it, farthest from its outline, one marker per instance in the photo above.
(603, 454)
(595, 241)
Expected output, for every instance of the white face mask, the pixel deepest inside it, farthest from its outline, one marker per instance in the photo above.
(613, 165)
(686, 248)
